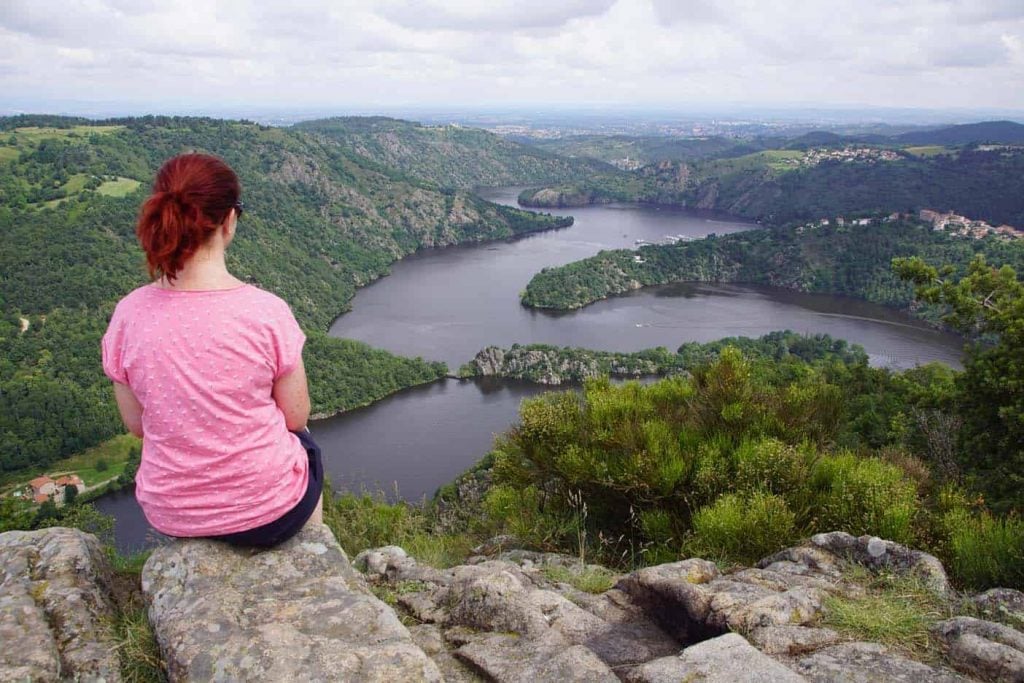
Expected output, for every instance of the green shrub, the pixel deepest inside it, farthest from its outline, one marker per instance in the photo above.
(985, 551)
(661, 543)
(369, 521)
(519, 511)
(713, 472)
(769, 465)
(743, 528)
(864, 496)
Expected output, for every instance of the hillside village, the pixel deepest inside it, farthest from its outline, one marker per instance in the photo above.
(952, 223)
(813, 157)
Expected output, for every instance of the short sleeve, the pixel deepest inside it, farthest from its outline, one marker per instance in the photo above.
(113, 349)
(288, 341)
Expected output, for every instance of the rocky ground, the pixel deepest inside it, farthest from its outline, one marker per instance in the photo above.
(303, 612)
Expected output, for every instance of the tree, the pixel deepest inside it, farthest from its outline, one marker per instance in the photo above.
(70, 494)
(987, 304)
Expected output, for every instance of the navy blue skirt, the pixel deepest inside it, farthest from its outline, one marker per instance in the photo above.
(291, 522)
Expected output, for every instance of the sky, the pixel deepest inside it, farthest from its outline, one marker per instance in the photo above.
(169, 55)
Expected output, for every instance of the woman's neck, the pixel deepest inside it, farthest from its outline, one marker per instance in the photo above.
(205, 270)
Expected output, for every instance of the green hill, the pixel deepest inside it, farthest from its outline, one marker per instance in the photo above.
(994, 132)
(451, 156)
(645, 149)
(783, 185)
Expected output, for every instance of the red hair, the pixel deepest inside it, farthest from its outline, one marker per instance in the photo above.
(192, 196)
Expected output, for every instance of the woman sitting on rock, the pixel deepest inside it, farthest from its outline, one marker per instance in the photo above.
(208, 371)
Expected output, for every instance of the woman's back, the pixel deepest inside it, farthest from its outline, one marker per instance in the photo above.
(208, 371)
(217, 455)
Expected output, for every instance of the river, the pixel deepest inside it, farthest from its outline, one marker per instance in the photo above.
(447, 304)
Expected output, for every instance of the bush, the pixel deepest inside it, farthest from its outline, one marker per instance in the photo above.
(742, 528)
(369, 521)
(985, 551)
(864, 496)
(519, 511)
(769, 465)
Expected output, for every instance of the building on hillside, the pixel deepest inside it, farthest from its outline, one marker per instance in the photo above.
(71, 480)
(43, 486)
(42, 489)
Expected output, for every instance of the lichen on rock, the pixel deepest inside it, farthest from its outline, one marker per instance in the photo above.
(55, 608)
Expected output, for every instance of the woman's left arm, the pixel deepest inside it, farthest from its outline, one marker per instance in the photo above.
(131, 409)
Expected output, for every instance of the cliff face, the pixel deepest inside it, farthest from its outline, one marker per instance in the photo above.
(301, 612)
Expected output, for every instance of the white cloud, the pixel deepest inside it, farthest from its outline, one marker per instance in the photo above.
(914, 53)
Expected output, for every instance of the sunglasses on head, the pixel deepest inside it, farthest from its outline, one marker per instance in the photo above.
(239, 208)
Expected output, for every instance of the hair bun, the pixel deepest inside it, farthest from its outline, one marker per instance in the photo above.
(192, 196)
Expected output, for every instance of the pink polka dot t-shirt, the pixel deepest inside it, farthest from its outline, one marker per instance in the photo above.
(217, 457)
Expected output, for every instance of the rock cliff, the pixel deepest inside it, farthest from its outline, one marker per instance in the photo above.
(302, 611)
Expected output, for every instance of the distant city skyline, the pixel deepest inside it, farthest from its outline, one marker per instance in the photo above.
(108, 57)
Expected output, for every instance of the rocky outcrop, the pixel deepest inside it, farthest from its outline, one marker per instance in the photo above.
(725, 659)
(1001, 604)
(554, 365)
(301, 611)
(876, 553)
(562, 197)
(55, 608)
(298, 612)
(982, 648)
(868, 663)
(507, 619)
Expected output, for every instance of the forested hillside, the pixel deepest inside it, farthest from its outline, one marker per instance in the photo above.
(320, 221)
(451, 156)
(831, 259)
(790, 183)
(645, 149)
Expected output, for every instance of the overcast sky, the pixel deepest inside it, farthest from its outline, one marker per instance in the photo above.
(365, 54)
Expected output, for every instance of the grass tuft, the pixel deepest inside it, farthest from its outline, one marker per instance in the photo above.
(895, 611)
(589, 579)
(137, 648)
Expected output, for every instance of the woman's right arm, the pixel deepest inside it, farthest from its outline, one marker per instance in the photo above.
(291, 394)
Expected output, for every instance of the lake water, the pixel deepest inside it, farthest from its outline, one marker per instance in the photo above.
(447, 304)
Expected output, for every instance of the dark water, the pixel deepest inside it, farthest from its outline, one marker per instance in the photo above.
(447, 304)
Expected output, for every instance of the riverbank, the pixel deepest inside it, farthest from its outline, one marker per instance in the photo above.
(551, 365)
(832, 258)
